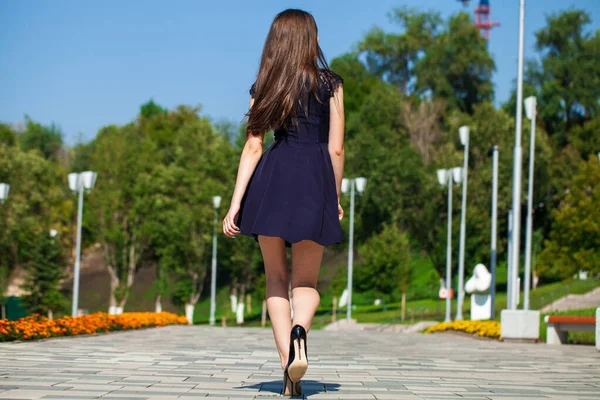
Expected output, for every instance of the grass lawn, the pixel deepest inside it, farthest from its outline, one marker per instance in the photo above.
(426, 309)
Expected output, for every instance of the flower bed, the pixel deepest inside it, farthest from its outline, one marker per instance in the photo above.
(40, 327)
(490, 329)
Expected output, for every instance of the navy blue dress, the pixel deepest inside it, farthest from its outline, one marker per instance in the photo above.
(292, 193)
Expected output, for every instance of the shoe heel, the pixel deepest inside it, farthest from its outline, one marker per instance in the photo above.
(298, 367)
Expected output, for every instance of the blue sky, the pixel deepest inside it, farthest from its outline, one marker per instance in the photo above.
(83, 64)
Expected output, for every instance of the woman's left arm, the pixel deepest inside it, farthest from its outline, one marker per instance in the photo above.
(248, 161)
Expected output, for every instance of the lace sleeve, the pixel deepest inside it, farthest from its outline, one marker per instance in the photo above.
(332, 81)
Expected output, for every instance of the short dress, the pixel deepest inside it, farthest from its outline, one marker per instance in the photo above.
(292, 192)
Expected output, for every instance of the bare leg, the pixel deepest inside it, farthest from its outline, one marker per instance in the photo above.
(306, 262)
(278, 302)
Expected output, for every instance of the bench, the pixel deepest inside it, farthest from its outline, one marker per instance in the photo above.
(560, 325)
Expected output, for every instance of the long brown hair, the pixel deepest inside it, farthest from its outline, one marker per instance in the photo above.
(290, 62)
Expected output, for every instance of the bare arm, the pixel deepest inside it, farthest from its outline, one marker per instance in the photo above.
(248, 161)
(336, 136)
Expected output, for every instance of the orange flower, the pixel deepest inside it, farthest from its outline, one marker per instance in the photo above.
(37, 326)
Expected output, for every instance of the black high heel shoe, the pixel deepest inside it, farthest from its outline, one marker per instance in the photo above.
(297, 361)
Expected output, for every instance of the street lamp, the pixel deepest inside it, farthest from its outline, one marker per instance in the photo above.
(516, 190)
(78, 182)
(446, 177)
(213, 278)
(4, 188)
(530, 111)
(464, 139)
(494, 152)
(360, 183)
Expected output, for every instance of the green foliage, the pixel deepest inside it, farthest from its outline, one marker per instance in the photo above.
(45, 270)
(38, 197)
(150, 109)
(46, 139)
(574, 242)
(8, 136)
(567, 75)
(457, 66)
(386, 262)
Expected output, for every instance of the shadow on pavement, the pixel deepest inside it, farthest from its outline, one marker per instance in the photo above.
(309, 387)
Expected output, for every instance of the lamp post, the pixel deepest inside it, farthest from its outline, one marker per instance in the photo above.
(213, 277)
(446, 177)
(530, 111)
(516, 190)
(359, 183)
(4, 188)
(464, 139)
(494, 151)
(78, 182)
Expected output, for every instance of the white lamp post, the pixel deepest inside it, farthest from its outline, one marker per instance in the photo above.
(464, 139)
(213, 278)
(446, 177)
(516, 191)
(4, 188)
(493, 240)
(518, 324)
(360, 183)
(530, 111)
(78, 182)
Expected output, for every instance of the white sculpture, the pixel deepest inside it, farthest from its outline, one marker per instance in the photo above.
(478, 286)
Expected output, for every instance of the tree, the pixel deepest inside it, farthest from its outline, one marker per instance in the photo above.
(150, 109)
(574, 241)
(567, 74)
(386, 264)
(394, 57)
(457, 66)
(120, 155)
(46, 139)
(8, 136)
(45, 270)
(38, 197)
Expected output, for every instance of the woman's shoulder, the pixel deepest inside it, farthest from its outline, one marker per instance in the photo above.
(330, 80)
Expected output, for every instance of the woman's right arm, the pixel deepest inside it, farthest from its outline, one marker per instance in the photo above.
(336, 139)
(248, 161)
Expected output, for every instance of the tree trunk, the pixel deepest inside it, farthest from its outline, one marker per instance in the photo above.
(233, 297)
(3, 311)
(114, 284)
(403, 305)
(263, 318)
(132, 262)
(157, 304)
(50, 315)
(189, 312)
(248, 303)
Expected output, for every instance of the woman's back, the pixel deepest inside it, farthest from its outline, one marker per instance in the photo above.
(312, 113)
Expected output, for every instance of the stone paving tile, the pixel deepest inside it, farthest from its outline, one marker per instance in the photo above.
(182, 362)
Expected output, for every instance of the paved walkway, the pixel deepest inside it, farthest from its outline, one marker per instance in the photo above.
(183, 362)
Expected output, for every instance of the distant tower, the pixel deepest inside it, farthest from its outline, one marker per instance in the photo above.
(482, 18)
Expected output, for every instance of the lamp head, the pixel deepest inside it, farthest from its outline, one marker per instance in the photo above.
(74, 181)
(463, 132)
(457, 174)
(361, 183)
(345, 185)
(217, 201)
(442, 176)
(4, 188)
(89, 179)
(530, 105)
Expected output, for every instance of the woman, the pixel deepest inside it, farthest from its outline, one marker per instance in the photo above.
(289, 196)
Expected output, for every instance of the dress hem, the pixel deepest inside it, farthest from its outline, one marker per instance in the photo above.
(289, 242)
